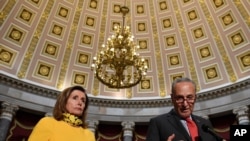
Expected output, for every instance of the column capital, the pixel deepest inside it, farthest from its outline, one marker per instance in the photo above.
(240, 110)
(128, 124)
(128, 127)
(48, 114)
(242, 115)
(92, 125)
(8, 110)
(203, 115)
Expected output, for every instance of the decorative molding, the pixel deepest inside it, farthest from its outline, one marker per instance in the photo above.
(27, 87)
(130, 103)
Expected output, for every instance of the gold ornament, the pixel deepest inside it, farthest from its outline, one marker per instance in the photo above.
(72, 119)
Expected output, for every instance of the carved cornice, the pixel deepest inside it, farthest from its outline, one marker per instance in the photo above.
(27, 87)
(130, 103)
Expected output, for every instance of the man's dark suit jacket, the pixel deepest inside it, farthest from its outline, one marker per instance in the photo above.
(162, 126)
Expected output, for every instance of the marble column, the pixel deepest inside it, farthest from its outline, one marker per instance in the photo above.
(242, 114)
(128, 128)
(92, 125)
(8, 111)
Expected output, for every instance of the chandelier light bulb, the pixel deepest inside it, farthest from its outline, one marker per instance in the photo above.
(118, 65)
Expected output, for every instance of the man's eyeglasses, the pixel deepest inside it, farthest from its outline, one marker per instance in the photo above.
(181, 99)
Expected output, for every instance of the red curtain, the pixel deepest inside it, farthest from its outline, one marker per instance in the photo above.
(109, 132)
(222, 125)
(22, 125)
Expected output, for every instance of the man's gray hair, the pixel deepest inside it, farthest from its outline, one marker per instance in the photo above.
(183, 79)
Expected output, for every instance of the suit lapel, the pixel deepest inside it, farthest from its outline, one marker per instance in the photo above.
(174, 120)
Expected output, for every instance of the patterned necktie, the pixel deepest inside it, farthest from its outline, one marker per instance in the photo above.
(193, 130)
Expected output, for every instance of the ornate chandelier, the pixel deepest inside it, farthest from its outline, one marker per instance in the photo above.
(117, 64)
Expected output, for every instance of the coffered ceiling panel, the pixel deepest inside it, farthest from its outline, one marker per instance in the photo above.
(52, 43)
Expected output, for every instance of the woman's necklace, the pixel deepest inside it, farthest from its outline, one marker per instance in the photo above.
(72, 119)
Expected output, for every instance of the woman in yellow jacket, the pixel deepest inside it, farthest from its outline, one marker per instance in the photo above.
(68, 121)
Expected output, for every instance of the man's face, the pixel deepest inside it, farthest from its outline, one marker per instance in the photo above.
(184, 99)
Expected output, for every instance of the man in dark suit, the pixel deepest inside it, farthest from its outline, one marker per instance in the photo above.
(173, 126)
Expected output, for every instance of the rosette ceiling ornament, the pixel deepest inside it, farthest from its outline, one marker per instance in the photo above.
(117, 64)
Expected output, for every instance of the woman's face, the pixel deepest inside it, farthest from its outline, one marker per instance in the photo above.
(76, 103)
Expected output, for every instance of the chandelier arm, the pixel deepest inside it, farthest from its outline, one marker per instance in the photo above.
(114, 64)
(119, 86)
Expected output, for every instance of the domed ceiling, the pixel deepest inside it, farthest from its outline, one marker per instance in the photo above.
(51, 43)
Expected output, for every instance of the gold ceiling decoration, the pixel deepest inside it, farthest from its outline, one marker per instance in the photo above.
(52, 43)
(117, 64)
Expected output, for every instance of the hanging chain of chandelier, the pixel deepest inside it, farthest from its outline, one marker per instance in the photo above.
(117, 64)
